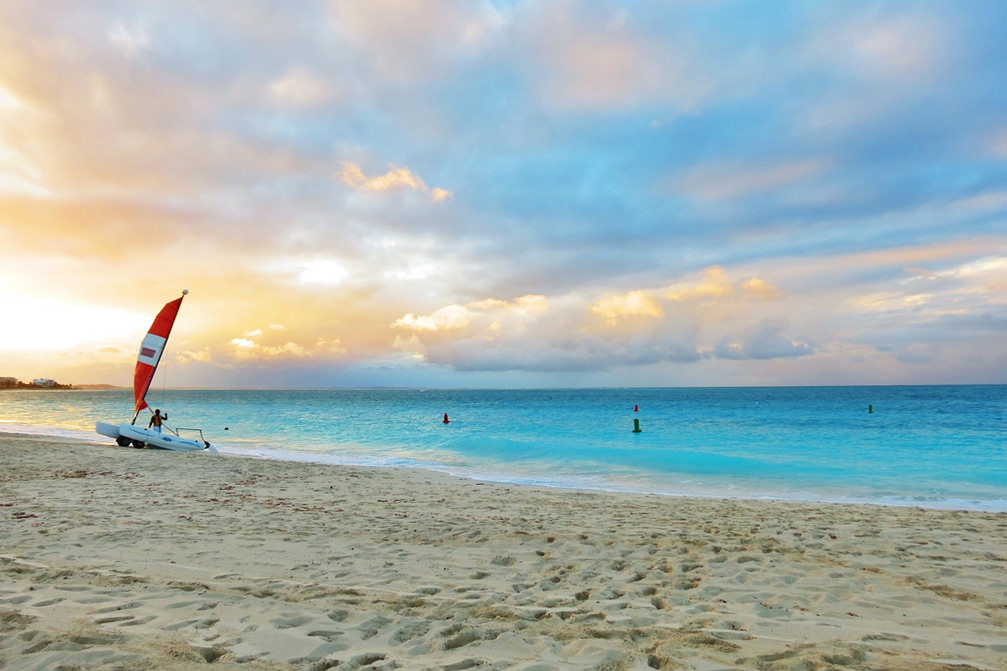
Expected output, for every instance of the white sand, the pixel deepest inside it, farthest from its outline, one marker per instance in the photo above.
(115, 558)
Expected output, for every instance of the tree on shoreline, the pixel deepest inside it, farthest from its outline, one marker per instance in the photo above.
(14, 383)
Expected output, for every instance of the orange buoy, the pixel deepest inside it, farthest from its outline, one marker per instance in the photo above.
(446, 420)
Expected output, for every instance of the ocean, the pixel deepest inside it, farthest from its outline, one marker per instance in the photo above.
(928, 446)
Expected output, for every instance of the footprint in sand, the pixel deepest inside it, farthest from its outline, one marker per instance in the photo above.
(47, 602)
(338, 615)
(410, 632)
(126, 606)
(290, 621)
(373, 627)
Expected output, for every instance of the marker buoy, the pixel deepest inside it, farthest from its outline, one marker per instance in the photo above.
(870, 410)
(636, 426)
(636, 408)
(446, 420)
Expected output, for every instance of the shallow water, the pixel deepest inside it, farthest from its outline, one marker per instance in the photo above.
(933, 446)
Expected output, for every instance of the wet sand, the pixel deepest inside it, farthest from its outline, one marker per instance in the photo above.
(116, 558)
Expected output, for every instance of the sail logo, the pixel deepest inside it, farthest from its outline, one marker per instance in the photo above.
(150, 349)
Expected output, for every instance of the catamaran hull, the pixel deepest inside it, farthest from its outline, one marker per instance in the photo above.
(128, 434)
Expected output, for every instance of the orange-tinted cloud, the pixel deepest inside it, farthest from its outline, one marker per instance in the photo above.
(635, 303)
(395, 179)
(713, 284)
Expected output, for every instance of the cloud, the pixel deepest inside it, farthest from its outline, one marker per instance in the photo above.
(922, 318)
(761, 289)
(904, 48)
(608, 155)
(878, 70)
(487, 314)
(585, 58)
(247, 349)
(986, 201)
(404, 41)
(998, 143)
(635, 303)
(200, 356)
(130, 38)
(722, 182)
(394, 180)
(768, 342)
(440, 195)
(713, 284)
(300, 88)
(447, 317)
(326, 272)
(575, 333)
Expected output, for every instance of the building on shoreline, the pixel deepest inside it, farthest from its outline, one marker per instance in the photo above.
(37, 383)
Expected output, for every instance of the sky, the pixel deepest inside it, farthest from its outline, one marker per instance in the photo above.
(490, 193)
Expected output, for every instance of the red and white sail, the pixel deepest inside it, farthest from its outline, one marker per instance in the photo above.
(151, 350)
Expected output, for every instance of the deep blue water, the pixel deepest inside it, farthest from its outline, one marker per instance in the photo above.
(934, 446)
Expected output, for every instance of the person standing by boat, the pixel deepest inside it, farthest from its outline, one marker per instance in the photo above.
(156, 419)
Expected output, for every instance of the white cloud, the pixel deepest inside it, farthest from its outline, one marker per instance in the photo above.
(875, 62)
(598, 60)
(323, 271)
(445, 318)
(8, 101)
(246, 348)
(889, 301)
(300, 88)
(905, 48)
(130, 39)
(317, 272)
(488, 316)
(406, 42)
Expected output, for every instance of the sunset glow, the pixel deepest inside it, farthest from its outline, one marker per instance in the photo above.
(506, 193)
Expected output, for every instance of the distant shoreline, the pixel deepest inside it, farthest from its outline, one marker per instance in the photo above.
(63, 387)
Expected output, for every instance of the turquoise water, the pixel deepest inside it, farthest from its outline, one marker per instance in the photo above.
(932, 446)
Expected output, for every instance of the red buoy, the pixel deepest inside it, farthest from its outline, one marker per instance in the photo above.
(446, 420)
(636, 408)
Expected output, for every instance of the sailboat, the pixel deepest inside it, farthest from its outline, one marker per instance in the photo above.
(151, 349)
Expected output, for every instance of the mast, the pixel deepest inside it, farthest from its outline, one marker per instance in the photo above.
(151, 349)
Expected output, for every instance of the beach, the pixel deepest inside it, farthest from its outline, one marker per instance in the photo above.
(117, 558)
